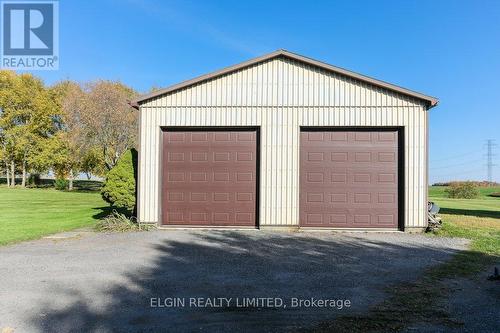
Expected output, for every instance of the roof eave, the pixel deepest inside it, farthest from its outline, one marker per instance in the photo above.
(430, 101)
(133, 104)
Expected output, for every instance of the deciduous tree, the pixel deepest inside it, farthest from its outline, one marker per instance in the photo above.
(26, 122)
(111, 123)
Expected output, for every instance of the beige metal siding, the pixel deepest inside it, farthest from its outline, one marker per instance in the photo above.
(280, 96)
(283, 82)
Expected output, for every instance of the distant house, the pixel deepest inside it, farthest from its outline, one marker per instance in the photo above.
(284, 141)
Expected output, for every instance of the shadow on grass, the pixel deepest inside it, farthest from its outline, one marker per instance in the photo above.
(78, 185)
(104, 211)
(237, 265)
(88, 185)
(470, 212)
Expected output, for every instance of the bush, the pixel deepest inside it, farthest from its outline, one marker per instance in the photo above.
(463, 190)
(34, 180)
(117, 222)
(61, 184)
(483, 183)
(119, 188)
(495, 194)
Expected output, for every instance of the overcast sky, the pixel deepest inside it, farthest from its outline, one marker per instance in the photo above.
(447, 49)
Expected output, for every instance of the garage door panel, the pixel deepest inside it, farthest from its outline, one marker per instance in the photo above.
(349, 179)
(349, 220)
(209, 178)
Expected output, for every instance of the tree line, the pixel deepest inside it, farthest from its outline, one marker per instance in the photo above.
(67, 128)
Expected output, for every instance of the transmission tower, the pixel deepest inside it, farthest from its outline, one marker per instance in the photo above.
(490, 144)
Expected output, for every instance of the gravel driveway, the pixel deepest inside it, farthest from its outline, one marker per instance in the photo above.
(90, 282)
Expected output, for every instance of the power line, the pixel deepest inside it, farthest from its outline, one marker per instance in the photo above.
(490, 144)
(474, 162)
(455, 156)
(457, 173)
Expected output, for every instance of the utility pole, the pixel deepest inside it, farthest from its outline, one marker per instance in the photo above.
(490, 144)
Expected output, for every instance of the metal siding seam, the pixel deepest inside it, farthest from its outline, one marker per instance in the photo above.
(262, 166)
(159, 154)
(265, 165)
(296, 131)
(150, 166)
(287, 138)
(316, 86)
(147, 166)
(418, 167)
(418, 180)
(270, 165)
(289, 164)
(406, 154)
(243, 87)
(140, 170)
(281, 189)
(279, 83)
(157, 151)
(277, 168)
(426, 165)
(422, 152)
(273, 165)
(153, 152)
(411, 165)
(280, 165)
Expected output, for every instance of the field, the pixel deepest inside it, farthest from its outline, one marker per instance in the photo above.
(483, 206)
(31, 213)
(477, 219)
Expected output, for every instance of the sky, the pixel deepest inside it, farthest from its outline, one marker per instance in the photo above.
(447, 49)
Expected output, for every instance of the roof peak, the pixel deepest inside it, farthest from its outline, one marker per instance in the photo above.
(431, 101)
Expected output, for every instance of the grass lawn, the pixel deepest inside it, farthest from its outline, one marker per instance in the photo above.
(476, 219)
(483, 206)
(32, 213)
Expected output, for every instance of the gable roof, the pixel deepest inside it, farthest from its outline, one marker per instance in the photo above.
(431, 101)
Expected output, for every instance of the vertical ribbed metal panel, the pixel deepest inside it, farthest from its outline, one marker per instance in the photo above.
(280, 96)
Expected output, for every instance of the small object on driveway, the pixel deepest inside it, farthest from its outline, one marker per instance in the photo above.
(433, 220)
(495, 276)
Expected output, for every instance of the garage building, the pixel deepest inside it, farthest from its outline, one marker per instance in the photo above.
(284, 141)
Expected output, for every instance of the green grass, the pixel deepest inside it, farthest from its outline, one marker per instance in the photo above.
(32, 213)
(483, 206)
(484, 192)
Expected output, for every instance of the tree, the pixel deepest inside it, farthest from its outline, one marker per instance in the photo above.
(462, 190)
(119, 189)
(93, 163)
(4, 154)
(68, 128)
(7, 88)
(70, 147)
(98, 124)
(110, 122)
(26, 122)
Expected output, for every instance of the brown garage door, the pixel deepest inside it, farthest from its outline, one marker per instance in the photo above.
(209, 178)
(349, 179)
